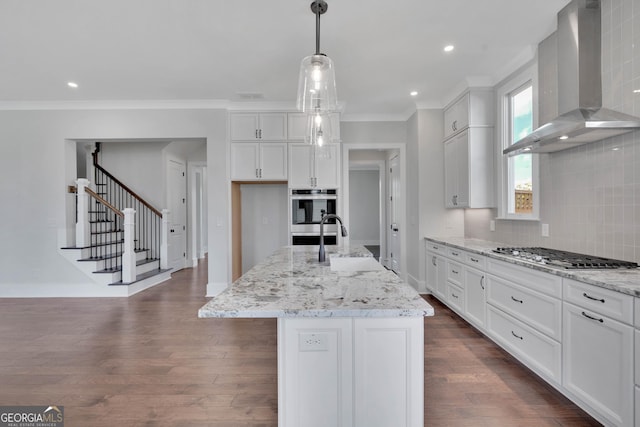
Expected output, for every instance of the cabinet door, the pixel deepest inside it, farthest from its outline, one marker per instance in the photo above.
(441, 282)
(432, 272)
(296, 126)
(327, 162)
(245, 161)
(456, 117)
(450, 174)
(244, 126)
(273, 127)
(300, 158)
(462, 161)
(474, 282)
(273, 160)
(598, 363)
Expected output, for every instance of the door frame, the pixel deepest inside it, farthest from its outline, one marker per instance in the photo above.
(344, 194)
(196, 211)
(168, 157)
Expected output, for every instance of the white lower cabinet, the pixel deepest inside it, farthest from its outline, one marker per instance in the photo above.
(455, 297)
(362, 372)
(475, 301)
(637, 406)
(436, 274)
(598, 363)
(534, 349)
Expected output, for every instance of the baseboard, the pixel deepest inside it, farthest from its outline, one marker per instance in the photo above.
(214, 289)
(418, 285)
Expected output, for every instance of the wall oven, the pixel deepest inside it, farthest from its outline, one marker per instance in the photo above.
(308, 206)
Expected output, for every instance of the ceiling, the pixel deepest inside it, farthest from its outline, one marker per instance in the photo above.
(177, 50)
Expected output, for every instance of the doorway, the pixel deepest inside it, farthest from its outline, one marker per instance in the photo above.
(379, 156)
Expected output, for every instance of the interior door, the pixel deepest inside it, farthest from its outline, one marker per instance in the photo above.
(394, 215)
(177, 203)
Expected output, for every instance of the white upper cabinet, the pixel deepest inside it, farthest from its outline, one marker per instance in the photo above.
(469, 151)
(253, 161)
(258, 126)
(314, 168)
(473, 108)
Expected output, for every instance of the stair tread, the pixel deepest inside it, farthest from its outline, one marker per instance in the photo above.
(109, 256)
(119, 268)
(142, 276)
(107, 232)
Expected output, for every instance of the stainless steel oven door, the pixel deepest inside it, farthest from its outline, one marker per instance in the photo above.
(309, 206)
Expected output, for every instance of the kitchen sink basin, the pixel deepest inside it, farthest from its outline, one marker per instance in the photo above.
(354, 264)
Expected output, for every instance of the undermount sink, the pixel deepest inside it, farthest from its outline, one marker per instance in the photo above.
(354, 264)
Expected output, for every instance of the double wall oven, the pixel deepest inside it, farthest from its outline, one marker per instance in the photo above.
(307, 207)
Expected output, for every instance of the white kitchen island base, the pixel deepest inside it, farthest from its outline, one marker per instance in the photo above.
(361, 372)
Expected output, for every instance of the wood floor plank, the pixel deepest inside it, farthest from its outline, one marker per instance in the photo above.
(149, 361)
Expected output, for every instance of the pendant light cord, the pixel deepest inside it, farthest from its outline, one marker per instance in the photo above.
(318, 32)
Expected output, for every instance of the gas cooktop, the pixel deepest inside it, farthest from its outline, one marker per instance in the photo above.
(563, 259)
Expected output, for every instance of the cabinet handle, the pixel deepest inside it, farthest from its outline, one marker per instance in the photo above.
(256, 133)
(517, 336)
(474, 260)
(433, 261)
(584, 294)
(516, 300)
(260, 133)
(482, 282)
(435, 247)
(454, 272)
(454, 125)
(592, 318)
(260, 172)
(454, 295)
(455, 253)
(257, 174)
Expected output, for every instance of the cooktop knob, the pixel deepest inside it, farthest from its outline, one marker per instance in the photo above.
(515, 253)
(538, 258)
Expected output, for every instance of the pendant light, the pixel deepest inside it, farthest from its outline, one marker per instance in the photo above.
(317, 87)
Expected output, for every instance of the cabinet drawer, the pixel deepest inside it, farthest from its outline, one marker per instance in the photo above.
(539, 352)
(454, 272)
(527, 277)
(608, 303)
(475, 260)
(456, 254)
(455, 297)
(436, 247)
(540, 311)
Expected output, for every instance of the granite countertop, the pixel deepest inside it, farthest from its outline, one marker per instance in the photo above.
(626, 281)
(292, 283)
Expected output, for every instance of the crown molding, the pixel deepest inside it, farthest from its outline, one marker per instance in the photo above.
(159, 104)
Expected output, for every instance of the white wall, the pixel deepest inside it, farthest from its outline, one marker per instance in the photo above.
(589, 194)
(264, 221)
(38, 162)
(364, 204)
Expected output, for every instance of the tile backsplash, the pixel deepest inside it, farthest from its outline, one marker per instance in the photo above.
(590, 195)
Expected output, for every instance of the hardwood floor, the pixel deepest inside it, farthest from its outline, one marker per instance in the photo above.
(149, 361)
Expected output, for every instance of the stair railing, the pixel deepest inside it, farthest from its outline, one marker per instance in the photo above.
(148, 220)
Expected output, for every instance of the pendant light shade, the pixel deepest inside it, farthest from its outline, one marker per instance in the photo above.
(320, 129)
(317, 85)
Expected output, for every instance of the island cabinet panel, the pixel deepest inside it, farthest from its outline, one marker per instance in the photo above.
(598, 363)
(315, 358)
(362, 372)
(389, 372)
(436, 274)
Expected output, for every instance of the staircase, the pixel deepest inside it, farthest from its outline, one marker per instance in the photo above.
(121, 240)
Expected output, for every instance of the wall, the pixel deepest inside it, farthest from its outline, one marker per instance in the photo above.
(264, 221)
(364, 204)
(590, 195)
(38, 162)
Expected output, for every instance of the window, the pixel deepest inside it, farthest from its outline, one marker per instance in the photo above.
(518, 174)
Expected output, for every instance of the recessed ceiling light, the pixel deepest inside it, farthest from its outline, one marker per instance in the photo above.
(448, 48)
(563, 137)
(636, 91)
(72, 84)
(413, 93)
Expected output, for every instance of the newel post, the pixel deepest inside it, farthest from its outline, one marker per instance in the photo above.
(164, 239)
(83, 232)
(129, 253)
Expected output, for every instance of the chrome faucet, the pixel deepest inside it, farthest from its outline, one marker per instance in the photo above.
(321, 255)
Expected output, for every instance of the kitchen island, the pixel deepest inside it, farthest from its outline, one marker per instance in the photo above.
(350, 336)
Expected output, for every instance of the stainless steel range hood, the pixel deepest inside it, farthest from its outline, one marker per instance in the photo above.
(582, 119)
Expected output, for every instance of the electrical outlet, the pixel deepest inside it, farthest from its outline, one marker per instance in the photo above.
(492, 225)
(265, 220)
(313, 342)
(545, 230)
